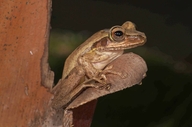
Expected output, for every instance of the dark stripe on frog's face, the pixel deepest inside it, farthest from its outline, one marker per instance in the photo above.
(120, 43)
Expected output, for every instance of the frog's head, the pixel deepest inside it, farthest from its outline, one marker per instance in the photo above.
(120, 38)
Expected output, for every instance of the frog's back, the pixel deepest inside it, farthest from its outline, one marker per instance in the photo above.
(72, 60)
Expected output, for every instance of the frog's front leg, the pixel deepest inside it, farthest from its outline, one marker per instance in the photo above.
(108, 70)
(94, 62)
(91, 72)
(88, 67)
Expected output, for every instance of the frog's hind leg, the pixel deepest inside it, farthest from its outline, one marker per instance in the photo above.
(108, 70)
(98, 83)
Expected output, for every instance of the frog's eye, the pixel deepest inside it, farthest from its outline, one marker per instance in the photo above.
(117, 33)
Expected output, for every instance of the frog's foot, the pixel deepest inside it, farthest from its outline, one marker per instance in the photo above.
(100, 86)
(144, 75)
(106, 86)
(101, 80)
(109, 71)
(97, 82)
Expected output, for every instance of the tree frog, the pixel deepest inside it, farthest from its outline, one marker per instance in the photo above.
(103, 47)
(92, 56)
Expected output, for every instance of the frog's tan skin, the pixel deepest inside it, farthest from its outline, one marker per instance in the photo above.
(94, 54)
(102, 48)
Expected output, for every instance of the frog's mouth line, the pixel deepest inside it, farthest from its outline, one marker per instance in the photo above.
(136, 37)
(131, 41)
(119, 48)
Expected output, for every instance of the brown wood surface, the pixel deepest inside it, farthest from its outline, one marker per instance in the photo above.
(24, 32)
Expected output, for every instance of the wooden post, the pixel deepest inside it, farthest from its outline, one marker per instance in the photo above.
(24, 33)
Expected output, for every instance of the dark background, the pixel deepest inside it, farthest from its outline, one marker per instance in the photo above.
(165, 98)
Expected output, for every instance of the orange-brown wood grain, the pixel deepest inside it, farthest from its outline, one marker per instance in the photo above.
(24, 32)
